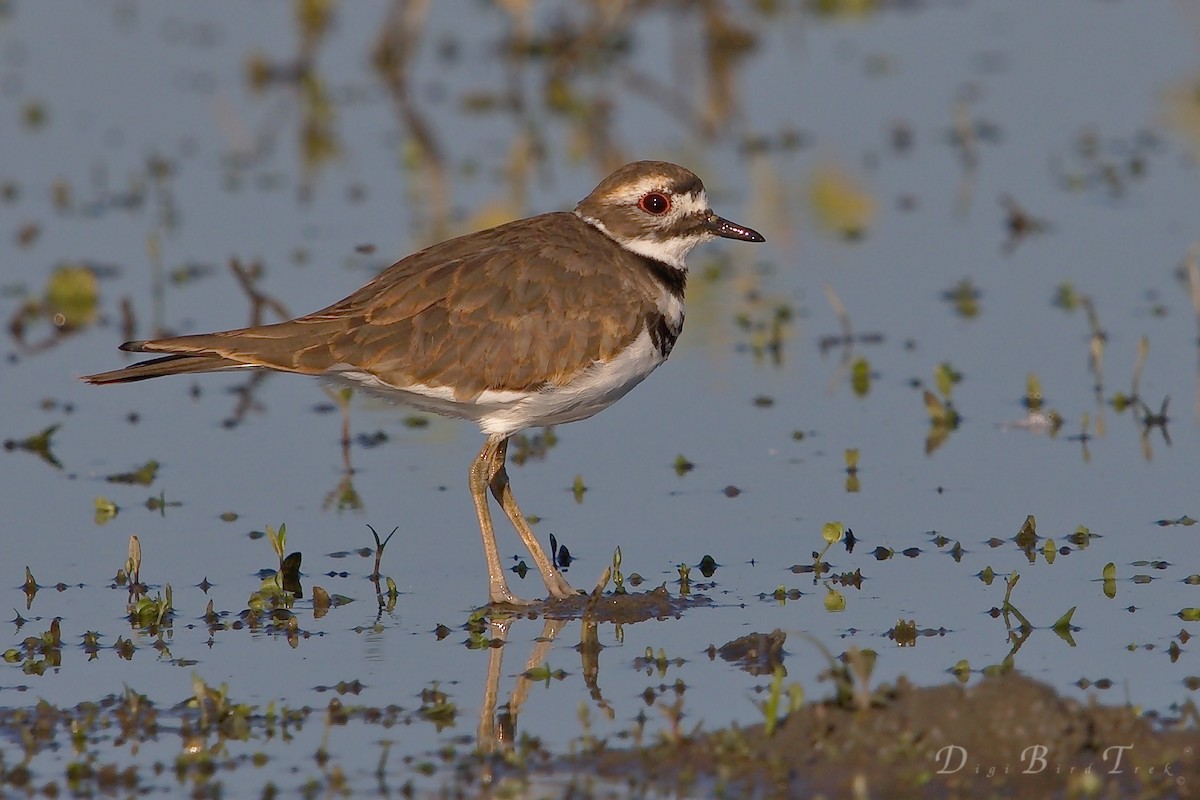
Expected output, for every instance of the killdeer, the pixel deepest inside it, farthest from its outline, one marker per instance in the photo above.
(541, 321)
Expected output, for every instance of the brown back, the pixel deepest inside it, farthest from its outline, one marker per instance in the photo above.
(515, 307)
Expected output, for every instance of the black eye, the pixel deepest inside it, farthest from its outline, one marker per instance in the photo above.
(655, 203)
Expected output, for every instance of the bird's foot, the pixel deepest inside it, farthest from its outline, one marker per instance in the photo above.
(501, 595)
(558, 587)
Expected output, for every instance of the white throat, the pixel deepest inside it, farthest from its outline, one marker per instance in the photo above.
(672, 252)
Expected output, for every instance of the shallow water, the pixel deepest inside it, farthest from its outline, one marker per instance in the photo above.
(1081, 113)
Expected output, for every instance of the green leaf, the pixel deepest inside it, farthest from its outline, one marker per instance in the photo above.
(1064, 622)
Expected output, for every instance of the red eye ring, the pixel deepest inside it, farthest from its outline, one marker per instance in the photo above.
(655, 203)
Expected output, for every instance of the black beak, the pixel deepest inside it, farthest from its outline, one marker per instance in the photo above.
(731, 230)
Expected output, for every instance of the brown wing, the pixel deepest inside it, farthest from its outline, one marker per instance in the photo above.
(515, 307)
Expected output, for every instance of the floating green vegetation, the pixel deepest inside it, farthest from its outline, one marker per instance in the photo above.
(525, 447)
(1020, 628)
(105, 509)
(956, 552)
(272, 602)
(1121, 401)
(39, 444)
(852, 580)
(850, 456)
(68, 304)
(38, 653)
(1062, 625)
(1066, 297)
(207, 725)
(152, 613)
(478, 629)
(543, 674)
(142, 476)
(682, 465)
(160, 503)
(820, 568)
(1027, 538)
(1081, 537)
(782, 594)
(185, 274)
(652, 663)
(1106, 165)
(756, 653)
(321, 600)
(834, 600)
(1019, 224)
(943, 417)
(841, 205)
(904, 633)
(1108, 576)
(766, 323)
(1151, 420)
(964, 296)
(860, 376)
(436, 707)
(217, 712)
(946, 377)
(1034, 397)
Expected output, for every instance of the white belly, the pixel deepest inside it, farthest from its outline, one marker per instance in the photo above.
(596, 389)
(507, 412)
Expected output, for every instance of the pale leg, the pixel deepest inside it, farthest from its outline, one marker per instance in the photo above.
(482, 471)
(556, 584)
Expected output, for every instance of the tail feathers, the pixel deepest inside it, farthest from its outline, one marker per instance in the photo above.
(178, 364)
